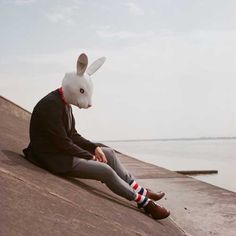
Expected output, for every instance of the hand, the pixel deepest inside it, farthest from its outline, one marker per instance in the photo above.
(99, 155)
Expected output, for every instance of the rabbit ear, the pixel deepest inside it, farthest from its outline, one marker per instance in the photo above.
(82, 64)
(95, 65)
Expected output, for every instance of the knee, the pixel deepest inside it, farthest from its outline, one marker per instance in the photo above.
(107, 150)
(109, 153)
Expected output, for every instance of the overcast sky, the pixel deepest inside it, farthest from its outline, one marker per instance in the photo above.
(170, 69)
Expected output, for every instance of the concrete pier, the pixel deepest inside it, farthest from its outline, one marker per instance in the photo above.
(35, 202)
(197, 172)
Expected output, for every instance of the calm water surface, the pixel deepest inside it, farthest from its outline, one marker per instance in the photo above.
(188, 155)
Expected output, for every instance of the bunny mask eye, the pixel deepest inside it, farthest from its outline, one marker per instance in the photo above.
(81, 90)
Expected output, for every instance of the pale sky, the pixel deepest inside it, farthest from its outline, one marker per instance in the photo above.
(170, 69)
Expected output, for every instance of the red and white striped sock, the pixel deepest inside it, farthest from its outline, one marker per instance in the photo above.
(137, 188)
(141, 200)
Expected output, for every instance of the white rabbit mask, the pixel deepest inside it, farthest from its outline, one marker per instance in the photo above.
(77, 86)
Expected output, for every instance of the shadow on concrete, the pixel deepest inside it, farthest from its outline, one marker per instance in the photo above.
(17, 159)
(99, 193)
(107, 196)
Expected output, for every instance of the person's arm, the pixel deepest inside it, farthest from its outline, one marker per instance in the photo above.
(90, 146)
(52, 118)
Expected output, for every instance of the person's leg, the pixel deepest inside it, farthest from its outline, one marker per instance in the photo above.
(116, 165)
(89, 169)
(114, 162)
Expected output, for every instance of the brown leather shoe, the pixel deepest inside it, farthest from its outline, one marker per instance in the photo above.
(156, 211)
(154, 196)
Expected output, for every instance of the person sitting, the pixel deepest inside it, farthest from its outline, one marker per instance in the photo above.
(56, 146)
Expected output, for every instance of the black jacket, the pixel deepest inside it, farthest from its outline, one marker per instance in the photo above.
(54, 140)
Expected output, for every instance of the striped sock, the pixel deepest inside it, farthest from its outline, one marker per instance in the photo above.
(141, 200)
(137, 188)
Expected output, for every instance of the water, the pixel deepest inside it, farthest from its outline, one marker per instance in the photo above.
(219, 154)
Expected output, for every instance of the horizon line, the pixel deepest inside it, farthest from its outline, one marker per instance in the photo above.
(168, 139)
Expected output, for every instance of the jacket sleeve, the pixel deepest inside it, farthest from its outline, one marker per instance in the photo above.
(81, 141)
(52, 119)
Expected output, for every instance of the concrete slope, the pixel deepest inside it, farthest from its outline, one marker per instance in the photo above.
(35, 202)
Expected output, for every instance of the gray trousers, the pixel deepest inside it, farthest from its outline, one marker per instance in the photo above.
(113, 174)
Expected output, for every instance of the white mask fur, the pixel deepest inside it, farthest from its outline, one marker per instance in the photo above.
(77, 86)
